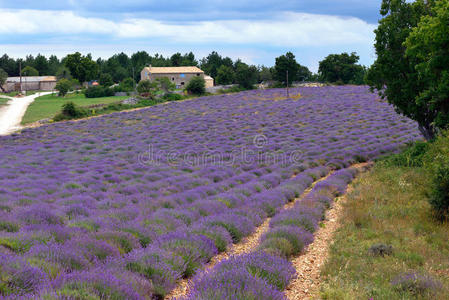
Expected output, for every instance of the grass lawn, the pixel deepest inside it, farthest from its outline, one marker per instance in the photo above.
(28, 93)
(48, 106)
(10, 94)
(388, 206)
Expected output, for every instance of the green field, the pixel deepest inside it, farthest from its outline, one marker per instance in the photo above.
(48, 106)
(388, 206)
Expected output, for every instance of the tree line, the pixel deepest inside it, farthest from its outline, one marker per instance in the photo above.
(336, 68)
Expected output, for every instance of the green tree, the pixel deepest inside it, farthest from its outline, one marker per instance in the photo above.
(3, 78)
(63, 87)
(29, 71)
(41, 64)
(53, 65)
(147, 87)
(428, 50)
(393, 74)
(283, 64)
(127, 84)
(106, 80)
(196, 86)
(9, 65)
(340, 68)
(265, 74)
(176, 59)
(165, 84)
(225, 75)
(211, 63)
(63, 72)
(81, 67)
(304, 74)
(189, 60)
(246, 76)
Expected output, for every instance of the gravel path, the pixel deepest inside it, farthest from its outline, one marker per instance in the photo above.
(247, 245)
(308, 265)
(11, 115)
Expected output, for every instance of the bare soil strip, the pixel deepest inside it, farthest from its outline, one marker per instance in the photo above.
(247, 245)
(308, 265)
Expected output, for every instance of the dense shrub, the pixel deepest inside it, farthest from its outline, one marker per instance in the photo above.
(71, 111)
(63, 87)
(147, 88)
(416, 284)
(196, 86)
(439, 198)
(172, 97)
(380, 250)
(411, 156)
(98, 91)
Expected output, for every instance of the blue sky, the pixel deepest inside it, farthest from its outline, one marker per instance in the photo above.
(255, 31)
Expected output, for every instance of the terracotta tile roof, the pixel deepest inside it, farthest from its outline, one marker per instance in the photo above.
(168, 70)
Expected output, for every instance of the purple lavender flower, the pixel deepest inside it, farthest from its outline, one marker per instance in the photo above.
(416, 283)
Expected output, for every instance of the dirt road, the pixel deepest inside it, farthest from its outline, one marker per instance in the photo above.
(11, 115)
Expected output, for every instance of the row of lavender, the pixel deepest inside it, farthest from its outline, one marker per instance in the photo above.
(153, 269)
(266, 272)
(153, 194)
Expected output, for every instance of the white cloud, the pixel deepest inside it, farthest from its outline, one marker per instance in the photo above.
(285, 29)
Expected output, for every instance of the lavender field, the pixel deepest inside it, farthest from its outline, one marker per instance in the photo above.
(123, 206)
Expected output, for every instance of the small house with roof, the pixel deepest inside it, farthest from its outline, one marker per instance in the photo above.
(180, 76)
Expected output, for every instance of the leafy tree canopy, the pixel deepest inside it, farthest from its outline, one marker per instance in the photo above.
(106, 80)
(283, 64)
(296, 72)
(245, 76)
(196, 86)
(63, 87)
(29, 71)
(165, 84)
(410, 45)
(428, 50)
(341, 68)
(147, 87)
(225, 75)
(82, 67)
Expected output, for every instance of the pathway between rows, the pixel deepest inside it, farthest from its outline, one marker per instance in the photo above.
(11, 115)
(308, 265)
(244, 247)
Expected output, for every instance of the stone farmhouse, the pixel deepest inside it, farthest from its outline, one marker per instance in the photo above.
(180, 76)
(30, 83)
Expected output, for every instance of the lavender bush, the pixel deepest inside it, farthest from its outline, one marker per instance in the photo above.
(416, 284)
(254, 276)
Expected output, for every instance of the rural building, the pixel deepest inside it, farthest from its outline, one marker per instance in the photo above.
(180, 76)
(30, 83)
